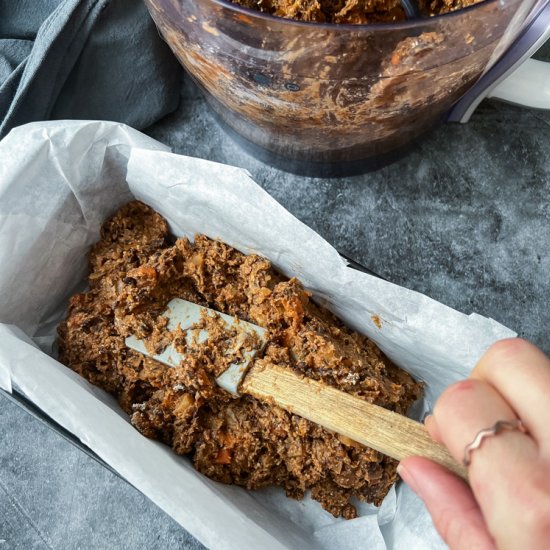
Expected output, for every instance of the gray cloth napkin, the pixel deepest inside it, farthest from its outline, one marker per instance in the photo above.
(83, 59)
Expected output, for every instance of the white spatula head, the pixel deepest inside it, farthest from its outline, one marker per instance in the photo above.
(187, 315)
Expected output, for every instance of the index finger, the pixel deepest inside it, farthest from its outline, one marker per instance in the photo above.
(520, 372)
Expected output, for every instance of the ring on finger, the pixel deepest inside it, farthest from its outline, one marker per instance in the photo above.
(497, 428)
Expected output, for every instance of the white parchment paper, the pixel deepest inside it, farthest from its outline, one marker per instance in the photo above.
(58, 182)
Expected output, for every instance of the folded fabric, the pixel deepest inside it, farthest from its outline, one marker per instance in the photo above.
(83, 59)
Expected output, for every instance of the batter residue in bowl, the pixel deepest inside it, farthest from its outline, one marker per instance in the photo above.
(350, 11)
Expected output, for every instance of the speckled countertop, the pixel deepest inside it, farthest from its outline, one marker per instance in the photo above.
(464, 219)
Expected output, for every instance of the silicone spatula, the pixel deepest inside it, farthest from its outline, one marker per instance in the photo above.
(385, 431)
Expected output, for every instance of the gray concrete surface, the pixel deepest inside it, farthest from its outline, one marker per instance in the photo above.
(465, 219)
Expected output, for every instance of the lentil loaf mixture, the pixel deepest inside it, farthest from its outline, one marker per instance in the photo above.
(350, 11)
(135, 270)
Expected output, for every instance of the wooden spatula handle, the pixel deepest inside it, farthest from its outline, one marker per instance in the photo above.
(390, 433)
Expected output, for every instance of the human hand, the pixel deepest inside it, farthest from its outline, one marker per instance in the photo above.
(507, 504)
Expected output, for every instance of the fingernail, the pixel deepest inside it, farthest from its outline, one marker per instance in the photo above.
(427, 417)
(429, 423)
(409, 478)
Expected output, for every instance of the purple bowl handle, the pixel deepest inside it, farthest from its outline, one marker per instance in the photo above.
(515, 77)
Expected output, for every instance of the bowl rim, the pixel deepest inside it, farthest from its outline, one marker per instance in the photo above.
(398, 25)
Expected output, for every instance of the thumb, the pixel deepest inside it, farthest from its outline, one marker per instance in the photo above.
(450, 502)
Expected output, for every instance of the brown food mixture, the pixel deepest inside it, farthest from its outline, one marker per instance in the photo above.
(135, 270)
(350, 11)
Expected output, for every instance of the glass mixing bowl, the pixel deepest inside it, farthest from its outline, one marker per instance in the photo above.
(307, 96)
